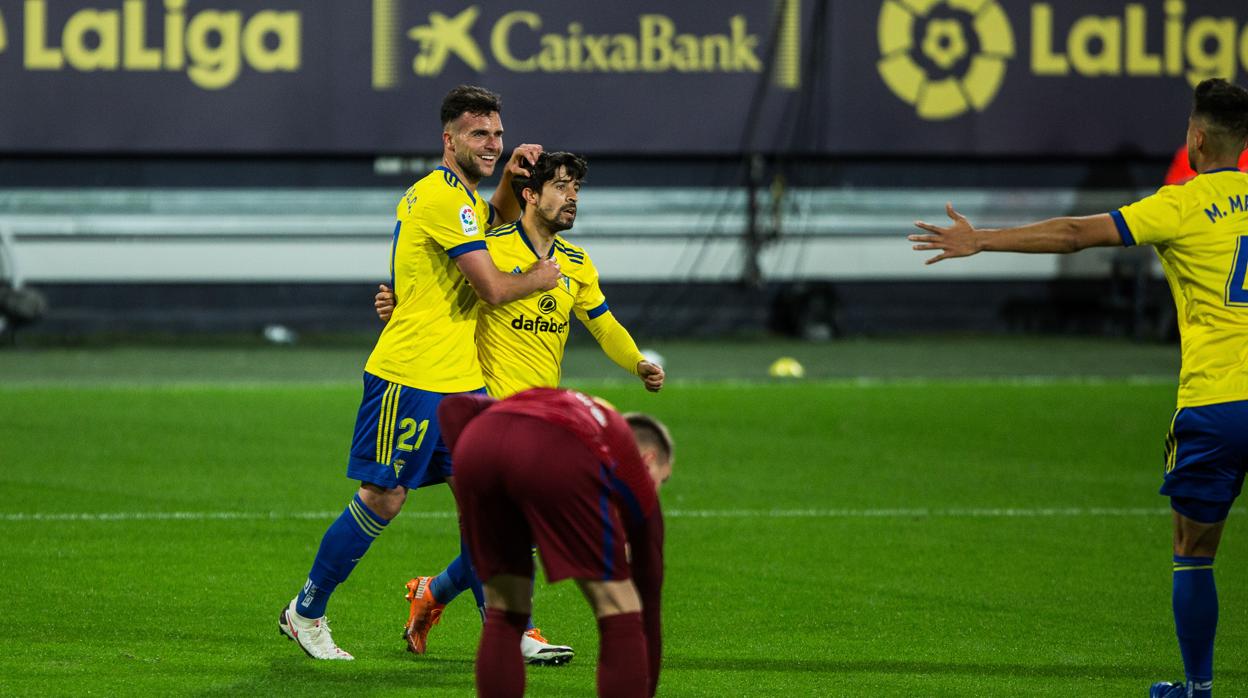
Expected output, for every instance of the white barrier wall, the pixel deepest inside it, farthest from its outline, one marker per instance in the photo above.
(667, 235)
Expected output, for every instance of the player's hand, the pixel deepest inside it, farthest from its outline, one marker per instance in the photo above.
(651, 374)
(384, 302)
(522, 158)
(958, 240)
(546, 273)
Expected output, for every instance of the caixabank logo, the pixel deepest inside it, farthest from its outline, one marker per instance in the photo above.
(944, 57)
(411, 40)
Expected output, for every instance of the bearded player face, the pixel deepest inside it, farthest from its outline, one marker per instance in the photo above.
(556, 205)
(477, 143)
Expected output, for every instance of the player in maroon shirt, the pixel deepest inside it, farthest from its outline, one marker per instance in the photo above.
(568, 473)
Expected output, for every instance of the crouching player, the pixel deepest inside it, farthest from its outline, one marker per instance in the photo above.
(567, 472)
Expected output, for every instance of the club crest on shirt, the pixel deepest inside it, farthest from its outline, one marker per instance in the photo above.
(468, 220)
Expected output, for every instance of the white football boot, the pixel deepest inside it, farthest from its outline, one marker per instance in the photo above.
(538, 652)
(312, 636)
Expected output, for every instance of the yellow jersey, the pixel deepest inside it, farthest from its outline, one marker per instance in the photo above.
(521, 343)
(1200, 232)
(428, 342)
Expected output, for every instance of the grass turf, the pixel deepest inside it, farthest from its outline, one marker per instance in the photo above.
(892, 567)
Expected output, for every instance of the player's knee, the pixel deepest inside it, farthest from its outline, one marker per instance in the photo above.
(1194, 544)
(386, 503)
(1198, 526)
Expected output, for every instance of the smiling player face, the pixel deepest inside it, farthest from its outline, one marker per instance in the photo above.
(475, 141)
(556, 205)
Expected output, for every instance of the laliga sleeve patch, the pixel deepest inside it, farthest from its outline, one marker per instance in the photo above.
(468, 220)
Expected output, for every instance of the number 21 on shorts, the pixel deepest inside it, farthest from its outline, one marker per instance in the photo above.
(409, 428)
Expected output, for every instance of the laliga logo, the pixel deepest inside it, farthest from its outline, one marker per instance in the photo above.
(944, 56)
(468, 220)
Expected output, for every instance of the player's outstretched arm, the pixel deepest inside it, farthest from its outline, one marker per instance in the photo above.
(504, 200)
(384, 302)
(1055, 235)
(496, 287)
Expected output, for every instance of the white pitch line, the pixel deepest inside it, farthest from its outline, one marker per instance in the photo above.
(953, 513)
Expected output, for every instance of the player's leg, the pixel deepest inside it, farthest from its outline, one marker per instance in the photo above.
(342, 546)
(458, 576)
(499, 540)
(623, 664)
(1205, 456)
(428, 596)
(345, 542)
(1198, 529)
(534, 646)
(500, 664)
(386, 463)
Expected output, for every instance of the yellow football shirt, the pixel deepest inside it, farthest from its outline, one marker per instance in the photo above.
(1200, 232)
(428, 342)
(521, 343)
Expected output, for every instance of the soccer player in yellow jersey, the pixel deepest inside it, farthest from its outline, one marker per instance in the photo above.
(440, 268)
(521, 343)
(1200, 232)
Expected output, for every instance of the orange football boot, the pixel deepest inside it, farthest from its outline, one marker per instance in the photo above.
(425, 613)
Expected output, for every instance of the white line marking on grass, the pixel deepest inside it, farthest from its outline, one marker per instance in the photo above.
(918, 513)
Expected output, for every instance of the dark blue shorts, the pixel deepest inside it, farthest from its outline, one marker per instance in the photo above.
(397, 440)
(1206, 458)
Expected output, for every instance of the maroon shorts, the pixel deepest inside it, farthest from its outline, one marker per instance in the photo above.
(522, 481)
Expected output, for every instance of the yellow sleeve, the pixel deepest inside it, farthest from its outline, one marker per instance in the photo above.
(1153, 220)
(452, 222)
(615, 341)
(592, 310)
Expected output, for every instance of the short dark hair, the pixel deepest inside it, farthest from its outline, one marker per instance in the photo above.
(547, 168)
(469, 99)
(650, 431)
(1224, 109)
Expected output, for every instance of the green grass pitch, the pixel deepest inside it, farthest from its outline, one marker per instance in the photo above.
(925, 532)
